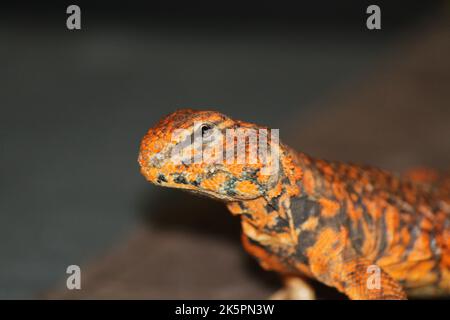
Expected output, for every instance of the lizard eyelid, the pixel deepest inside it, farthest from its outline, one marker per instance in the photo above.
(206, 130)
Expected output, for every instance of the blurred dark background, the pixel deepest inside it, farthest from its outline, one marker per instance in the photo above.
(74, 105)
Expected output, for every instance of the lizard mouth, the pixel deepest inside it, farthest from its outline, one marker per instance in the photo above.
(207, 194)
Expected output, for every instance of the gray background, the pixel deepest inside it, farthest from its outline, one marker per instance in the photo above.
(74, 106)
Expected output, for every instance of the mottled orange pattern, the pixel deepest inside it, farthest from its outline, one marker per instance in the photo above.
(330, 221)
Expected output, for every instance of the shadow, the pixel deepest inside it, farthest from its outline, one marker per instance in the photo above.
(192, 214)
(182, 211)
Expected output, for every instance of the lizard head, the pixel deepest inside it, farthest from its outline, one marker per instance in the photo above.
(209, 153)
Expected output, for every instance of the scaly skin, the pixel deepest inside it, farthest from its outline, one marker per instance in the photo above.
(324, 220)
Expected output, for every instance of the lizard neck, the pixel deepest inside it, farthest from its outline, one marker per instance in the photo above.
(290, 173)
(299, 173)
(267, 221)
(300, 176)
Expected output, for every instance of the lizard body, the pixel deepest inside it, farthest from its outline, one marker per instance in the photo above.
(338, 223)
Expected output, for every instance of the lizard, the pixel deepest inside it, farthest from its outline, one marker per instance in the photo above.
(368, 232)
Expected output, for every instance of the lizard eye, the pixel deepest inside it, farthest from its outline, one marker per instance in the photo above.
(206, 130)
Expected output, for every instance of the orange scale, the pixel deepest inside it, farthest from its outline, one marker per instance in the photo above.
(246, 187)
(329, 208)
(215, 182)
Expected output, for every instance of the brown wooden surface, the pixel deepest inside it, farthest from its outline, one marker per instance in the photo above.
(397, 117)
